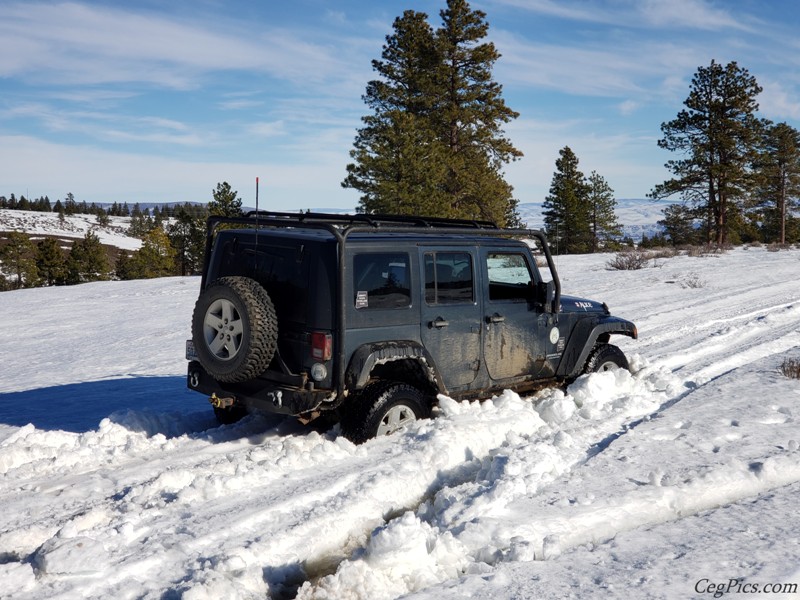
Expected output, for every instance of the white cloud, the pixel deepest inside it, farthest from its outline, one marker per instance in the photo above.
(628, 107)
(71, 43)
(672, 14)
(777, 103)
(40, 168)
(268, 129)
(695, 14)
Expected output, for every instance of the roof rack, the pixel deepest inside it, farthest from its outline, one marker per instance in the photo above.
(376, 221)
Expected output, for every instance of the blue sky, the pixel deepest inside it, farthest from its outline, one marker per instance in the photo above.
(156, 101)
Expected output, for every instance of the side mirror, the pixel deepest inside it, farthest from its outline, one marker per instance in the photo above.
(545, 294)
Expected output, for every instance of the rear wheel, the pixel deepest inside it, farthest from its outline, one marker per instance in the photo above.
(384, 408)
(606, 357)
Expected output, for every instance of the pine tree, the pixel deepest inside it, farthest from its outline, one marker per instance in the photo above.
(123, 267)
(434, 144)
(225, 202)
(566, 211)
(718, 134)
(187, 236)
(156, 257)
(680, 225)
(779, 179)
(70, 206)
(51, 264)
(87, 260)
(16, 256)
(603, 220)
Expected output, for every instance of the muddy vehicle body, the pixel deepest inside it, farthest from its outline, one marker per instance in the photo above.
(368, 318)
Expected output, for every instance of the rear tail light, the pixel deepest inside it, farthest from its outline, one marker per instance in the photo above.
(321, 346)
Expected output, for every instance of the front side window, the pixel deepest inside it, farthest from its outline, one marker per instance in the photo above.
(381, 280)
(509, 276)
(448, 278)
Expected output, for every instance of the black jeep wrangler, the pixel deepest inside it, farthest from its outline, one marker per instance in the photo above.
(367, 318)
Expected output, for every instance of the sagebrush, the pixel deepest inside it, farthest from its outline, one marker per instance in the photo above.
(791, 368)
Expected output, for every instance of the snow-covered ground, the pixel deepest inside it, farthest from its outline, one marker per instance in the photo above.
(680, 480)
(38, 224)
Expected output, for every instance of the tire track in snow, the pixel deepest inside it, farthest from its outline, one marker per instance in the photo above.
(301, 516)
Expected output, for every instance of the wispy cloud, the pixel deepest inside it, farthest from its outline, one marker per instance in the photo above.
(108, 126)
(778, 103)
(73, 43)
(694, 14)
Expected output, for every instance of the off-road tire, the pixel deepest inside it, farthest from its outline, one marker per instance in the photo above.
(234, 329)
(382, 408)
(605, 357)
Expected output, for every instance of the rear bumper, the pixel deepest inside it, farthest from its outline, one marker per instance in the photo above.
(262, 394)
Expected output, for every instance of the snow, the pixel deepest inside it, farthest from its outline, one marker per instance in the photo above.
(676, 480)
(40, 224)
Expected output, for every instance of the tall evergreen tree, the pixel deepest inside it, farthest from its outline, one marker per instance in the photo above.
(16, 256)
(779, 179)
(225, 202)
(434, 143)
(566, 211)
(602, 218)
(51, 263)
(87, 260)
(187, 236)
(717, 134)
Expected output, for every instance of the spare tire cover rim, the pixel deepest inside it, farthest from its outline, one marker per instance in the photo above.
(223, 329)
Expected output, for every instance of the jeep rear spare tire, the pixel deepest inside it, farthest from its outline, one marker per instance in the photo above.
(234, 329)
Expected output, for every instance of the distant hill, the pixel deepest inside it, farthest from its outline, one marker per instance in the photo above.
(637, 216)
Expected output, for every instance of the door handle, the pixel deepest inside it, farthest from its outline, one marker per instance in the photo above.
(439, 322)
(495, 318)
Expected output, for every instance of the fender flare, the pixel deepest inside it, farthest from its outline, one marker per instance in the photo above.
(368, 356)
(584, 336)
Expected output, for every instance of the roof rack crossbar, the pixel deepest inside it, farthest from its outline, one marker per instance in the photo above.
(374, 220)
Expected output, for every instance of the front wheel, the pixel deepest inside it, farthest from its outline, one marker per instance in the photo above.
(606, 357)
(383, 408)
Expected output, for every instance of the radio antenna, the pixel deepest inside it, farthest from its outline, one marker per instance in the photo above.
(256, 211)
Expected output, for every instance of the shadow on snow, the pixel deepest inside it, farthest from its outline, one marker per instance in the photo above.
(79, 407)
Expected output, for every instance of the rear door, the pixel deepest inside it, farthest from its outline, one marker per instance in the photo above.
(450, 316)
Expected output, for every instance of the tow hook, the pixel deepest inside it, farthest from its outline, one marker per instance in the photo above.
(221, 402)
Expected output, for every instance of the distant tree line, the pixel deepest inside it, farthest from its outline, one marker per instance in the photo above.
(173, 243)
(69, 206)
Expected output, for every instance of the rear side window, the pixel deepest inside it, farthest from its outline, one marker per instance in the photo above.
(448, 278)
(381, 280)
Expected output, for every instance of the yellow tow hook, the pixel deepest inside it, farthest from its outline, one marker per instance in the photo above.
(217, 402)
